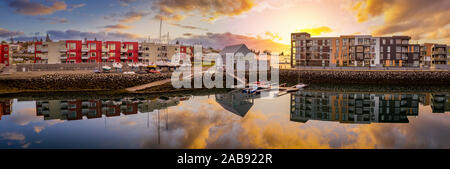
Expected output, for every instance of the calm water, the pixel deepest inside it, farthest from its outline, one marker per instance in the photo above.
(305, 119)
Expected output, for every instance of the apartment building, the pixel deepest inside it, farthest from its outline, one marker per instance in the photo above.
(93, 51)
(414, 53)
(353, 51)
(307, 51)
(438, 55)
(4, 54)
(394, 51)
(356, 50)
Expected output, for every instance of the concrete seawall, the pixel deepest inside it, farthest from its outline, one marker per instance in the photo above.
(81, 81)
(366, 77)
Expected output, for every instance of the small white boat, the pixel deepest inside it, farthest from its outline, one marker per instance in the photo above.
(301, 85)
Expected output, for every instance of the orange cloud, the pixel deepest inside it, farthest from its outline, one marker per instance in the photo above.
(317, 30)
(417, 18)
(117, 26)
(27, 7)
(211, 9)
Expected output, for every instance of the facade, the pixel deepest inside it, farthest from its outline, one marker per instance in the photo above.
(438, 55)
(356, 51)
(311, 51)
(394, 51)
(77, 51)
(4, 54)
(414, 53)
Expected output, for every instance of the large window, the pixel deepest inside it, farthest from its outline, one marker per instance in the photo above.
(93, 46)
(72, 46)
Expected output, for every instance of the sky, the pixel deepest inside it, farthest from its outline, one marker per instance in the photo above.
(261, 24)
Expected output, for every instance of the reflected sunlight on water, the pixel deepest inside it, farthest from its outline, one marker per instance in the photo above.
(305, 119)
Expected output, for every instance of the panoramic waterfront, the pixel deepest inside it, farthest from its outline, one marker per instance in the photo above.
(310, 118)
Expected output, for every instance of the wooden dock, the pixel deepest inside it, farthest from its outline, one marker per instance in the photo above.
(148, 85)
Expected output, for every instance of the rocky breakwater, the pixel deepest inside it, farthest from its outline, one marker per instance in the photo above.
(88, 81)
(366, 77)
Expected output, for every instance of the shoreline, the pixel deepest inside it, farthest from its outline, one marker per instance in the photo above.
(41, 82)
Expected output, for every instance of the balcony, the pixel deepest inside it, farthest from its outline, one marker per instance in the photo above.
(84, 57)
(123, 57)
(63, 50)
(84, 50)
(123, 50)
(63, 57)
(104, 50)
(105, 57)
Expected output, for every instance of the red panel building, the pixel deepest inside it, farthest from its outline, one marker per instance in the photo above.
(131, 51)
(187, 51)
(94, 51)
(37, 51)
(4, 54)
(113, 51)
(73, 51)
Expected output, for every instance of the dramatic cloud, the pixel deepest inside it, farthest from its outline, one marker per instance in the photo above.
(133, 16)
(13, 136)
(417, 18)
(210, 9)
(188, 27)
(220, 40)
(4, 33)
(273, 36)
(126, 2)
(317, 31)
(116, 26)
(26, 7)
(75, 6)
(53, 20)
(75, 34)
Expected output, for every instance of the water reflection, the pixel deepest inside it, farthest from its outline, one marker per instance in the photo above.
(305, 119)
(362, 108)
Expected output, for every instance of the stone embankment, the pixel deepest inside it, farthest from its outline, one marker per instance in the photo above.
(88, 81)
(366, 77)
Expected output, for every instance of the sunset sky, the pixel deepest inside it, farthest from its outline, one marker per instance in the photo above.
(261, 24)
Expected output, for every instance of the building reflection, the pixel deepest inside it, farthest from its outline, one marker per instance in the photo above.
(362, 108)
(76, 109)
(5, 108)
(236, 102)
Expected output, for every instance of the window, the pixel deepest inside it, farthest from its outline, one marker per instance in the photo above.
(112, 46)
(384, 41)
(72, 46)
(391, 41)
(93, 46)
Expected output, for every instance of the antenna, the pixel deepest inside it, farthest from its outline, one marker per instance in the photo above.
(160, 28)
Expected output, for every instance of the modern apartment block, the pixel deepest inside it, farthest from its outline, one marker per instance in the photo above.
(310, 51)
(394, 51)
(356, 50)
(364, 51)
(93, 51)
(4, 54)
(439, 55)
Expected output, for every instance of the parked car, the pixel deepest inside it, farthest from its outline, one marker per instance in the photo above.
(153, 71)
(129, 73)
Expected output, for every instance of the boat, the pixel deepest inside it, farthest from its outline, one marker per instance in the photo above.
(106, 68)
(301, 85)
